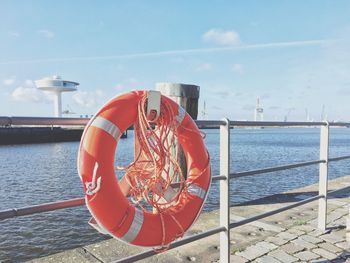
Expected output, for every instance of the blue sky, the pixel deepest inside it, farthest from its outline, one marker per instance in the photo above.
(294, 55)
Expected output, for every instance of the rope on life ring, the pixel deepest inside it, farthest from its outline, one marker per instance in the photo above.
(158, 213)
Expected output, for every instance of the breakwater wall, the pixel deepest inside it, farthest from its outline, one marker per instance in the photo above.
(21, 135)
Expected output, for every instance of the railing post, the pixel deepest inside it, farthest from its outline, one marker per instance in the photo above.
(323, 177)
(225, 191)
(348, 228)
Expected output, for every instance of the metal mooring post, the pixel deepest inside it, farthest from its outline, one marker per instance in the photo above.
(186, 96)
(323, 177)
(225, 191)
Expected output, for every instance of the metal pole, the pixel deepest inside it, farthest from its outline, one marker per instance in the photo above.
(348, 228)
(225, 192)
(323, 177)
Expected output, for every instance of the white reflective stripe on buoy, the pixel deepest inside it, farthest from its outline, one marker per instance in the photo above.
(107, 126)
(135, 226)
(180, 116)
(197, 191)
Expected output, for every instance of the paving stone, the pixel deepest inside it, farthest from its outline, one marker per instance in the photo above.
(292, 248)
(307, 255)
(259, 224)
(294, 231)
(320, 260)
(287, 236)
(305, 228)
(324, 253)
(283, 256)
(330, 247)
(311, 239)
(336, 215)
(253, 252)
(303, 243)
(277, 240)
(237, 259)
(267, 259)
(343, 245)
(267, 245)
(337, 202)
(318, 232)
(332, 238)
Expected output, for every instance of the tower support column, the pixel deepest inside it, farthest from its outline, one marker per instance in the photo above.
(58, 104)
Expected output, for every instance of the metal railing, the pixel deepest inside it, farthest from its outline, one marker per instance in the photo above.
(225, 224)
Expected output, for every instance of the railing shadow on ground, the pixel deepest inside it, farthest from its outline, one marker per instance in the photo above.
(292, 197)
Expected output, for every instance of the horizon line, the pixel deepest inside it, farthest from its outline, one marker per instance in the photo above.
(178, 52)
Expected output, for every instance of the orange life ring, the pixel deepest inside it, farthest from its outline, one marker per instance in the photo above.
(105, 199)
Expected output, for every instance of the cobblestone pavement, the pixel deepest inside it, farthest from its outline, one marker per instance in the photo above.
(302, 241)
(290, 236)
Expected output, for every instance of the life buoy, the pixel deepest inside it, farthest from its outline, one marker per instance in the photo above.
(105, 198)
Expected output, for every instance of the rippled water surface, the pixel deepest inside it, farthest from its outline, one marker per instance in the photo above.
(38, 173)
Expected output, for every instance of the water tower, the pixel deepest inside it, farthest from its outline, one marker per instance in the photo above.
(56, 85)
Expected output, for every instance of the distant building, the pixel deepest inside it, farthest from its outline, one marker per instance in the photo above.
(259, 111)
(56, 85)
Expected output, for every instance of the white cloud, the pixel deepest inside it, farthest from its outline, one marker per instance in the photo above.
(132, 81)
(29, 83)
(238, 68)
(204, 67)
(221, 37)
(29, 94)
(10, 81)
(289, 44)
(87, 99)
(14, 34)
(118, 87)
(46, 33)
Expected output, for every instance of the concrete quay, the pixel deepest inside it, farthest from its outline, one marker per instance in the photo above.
(291, 236)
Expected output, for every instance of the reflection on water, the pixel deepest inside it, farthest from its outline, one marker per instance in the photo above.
(39, 173)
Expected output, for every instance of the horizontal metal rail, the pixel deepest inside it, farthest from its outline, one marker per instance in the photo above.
(338, 158)
(173, 245)
(29, 210)
(33, 121)
(274, 169)
(275, 124)
(8, 120)
(339, 124)
(273, 212)
(207, 124)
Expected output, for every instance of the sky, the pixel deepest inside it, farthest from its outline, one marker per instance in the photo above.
(293, 55)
